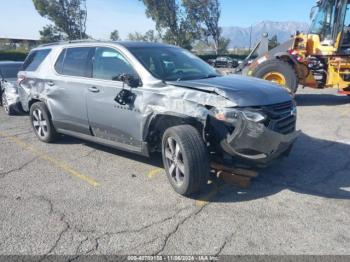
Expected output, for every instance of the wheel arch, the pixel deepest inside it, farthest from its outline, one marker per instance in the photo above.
(158, 123)
(33, 101)
(285, 56)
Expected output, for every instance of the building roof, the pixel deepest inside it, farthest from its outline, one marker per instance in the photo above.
(18, 39)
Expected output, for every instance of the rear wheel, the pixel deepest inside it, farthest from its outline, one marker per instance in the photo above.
(41, 123)
(185, 159)
(279, 72)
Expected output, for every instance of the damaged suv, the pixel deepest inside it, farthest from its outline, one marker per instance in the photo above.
(148, 97)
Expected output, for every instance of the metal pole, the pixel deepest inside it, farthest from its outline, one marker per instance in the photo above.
(250, 37)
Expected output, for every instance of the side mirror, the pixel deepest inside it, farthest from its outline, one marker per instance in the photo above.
(130, 80)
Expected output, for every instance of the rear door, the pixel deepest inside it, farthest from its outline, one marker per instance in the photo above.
(67, 97)
(29, 79)
(108, 119)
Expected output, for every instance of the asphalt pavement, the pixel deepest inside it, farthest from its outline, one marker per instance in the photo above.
(77, 198)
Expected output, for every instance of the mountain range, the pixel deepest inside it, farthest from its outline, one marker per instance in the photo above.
(240, 36)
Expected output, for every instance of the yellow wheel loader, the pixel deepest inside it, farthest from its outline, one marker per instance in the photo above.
(318, 59)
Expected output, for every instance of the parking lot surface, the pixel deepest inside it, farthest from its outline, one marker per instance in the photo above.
(76, 198)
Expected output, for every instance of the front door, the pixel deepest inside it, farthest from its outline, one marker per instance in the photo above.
(344, 28)
(107, 118)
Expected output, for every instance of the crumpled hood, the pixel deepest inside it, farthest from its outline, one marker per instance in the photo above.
(243, 91)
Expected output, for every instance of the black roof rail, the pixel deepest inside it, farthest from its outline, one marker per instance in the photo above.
(69, 42)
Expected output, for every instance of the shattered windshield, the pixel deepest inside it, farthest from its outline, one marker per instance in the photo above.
(173, 64)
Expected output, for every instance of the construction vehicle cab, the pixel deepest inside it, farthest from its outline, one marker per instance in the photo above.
(319, 58)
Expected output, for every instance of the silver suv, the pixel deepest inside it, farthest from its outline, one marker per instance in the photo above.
(148, 97)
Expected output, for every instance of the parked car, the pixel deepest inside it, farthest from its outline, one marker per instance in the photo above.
(226, 62)
(147, 97)
(211, 62)
(8, 87)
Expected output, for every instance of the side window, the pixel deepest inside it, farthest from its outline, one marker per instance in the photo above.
(76, 61)
(59, 62)
(34, 59)
(109, 64)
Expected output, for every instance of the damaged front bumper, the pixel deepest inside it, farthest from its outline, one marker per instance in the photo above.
(257, 143)
(12, 99)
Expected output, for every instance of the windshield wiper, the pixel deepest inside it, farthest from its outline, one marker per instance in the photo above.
(184, 78)
(209, 76)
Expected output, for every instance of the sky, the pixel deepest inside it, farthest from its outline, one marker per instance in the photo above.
(19, 19)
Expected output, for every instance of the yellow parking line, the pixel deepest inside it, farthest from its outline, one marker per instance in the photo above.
(154, 172)
(206, 199)
(58, 163)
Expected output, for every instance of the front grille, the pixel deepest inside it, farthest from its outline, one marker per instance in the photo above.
(281, 117)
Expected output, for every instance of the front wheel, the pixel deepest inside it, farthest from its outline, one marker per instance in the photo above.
(41, 123)
(185, 159)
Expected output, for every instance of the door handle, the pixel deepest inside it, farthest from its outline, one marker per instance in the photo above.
(50, 83)
(94, 89)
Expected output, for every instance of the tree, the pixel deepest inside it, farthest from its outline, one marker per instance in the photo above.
(136, 36)
(205, 15)
(50, 34)
(68, 16)
(172, 21)
(149, 36)
(222, 45)
(200, 47)
(115, 35)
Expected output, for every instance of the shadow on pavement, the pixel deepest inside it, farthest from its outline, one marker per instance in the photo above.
(321, 99)
(154, 159)
(315, 167)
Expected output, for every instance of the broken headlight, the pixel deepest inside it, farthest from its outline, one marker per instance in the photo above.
(226, 114)
(231, 115)
(256, 117)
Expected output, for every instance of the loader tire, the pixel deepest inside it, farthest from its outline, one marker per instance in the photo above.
(279, 72)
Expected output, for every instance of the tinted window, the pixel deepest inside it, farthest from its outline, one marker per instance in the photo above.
(171, 63)
(109, 64)
(59, 62)
(10, 71)
(76, 61)
(34, 59)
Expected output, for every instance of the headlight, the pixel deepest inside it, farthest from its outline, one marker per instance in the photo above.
(226, 114)
(254, 116)
(231, 115)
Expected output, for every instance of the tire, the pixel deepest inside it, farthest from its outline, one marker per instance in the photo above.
(282, 68)
(186, 159)
(8, 109)
(40, 119)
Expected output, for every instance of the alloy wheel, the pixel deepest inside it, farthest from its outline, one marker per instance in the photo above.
(40, 123)
(174, 160)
